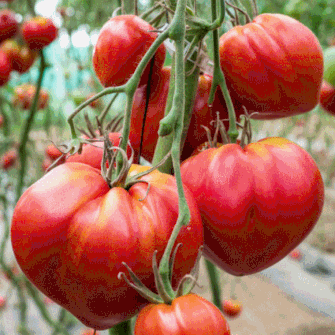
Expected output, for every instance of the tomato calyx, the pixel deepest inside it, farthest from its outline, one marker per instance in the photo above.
(185, 285)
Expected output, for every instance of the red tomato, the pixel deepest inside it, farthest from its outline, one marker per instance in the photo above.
(270, 72)
(52, 152)
(327, 97)
(232, 308)
(92, 154)
(24, 96)
(8, 24)
(5, 68)
(3, 302)
(202, 114)
(188, 315)
(296, 254)
(2, 121)
(46, 164)
(121, 45)
(39, 32)
(70, 234)
(9, 159)
(25, 60)
(257, 203)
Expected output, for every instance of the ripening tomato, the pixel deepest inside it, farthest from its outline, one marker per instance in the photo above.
(256, 203)
(187, 315)
(39, 32)
(121, 45)
(232, 307)
(71, 232)
(270, 72)
(3, 302)
(5, 68)
(8, 24)
(9, 159)
(202, 115)
(25, 59)
(53, 152)
(92, 153)
(327, 97)
(296, 254)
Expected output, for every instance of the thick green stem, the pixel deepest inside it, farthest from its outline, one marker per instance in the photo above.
(123, 328)
(214, 279)
(26, 129)
(219, 79)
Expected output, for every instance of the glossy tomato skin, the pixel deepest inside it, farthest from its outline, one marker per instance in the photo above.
(121, 45)
(5, 68)
(327, 97)
(39, 32)
(257, 203)
(70, 234)
(202, 115)
(187, 315)
(8, 24)
(270, 72)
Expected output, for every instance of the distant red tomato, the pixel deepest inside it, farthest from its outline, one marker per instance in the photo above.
(25, 60)
(52, 152)
(296, 254)
(39, 32)
(327, 97)
(8, 24)
(1, 121)
(9, 159)
(3, 302)
(257, 203)
(232, 308)
(121, 45)
(5, 68)
(24, 96)
(90, 332)
(46, 164)
(270, 72)
(187, 315)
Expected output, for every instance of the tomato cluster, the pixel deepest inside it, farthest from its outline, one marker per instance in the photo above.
(250, 206)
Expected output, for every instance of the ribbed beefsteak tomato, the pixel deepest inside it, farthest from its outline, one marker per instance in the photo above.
(187, 315)
(257, 203)
(273, 66)
(70, 234)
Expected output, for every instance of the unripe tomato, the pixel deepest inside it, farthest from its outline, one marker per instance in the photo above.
(270, 72)
(187, 315)
(8, 24)
(8, 159)
(329, 64)
(232, 307)
(71, 232)
(121, 45)
(327, 97)
(39, 32)
(257, 203)
(5, 68)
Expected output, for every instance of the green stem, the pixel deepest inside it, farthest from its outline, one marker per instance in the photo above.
(219, 79)
(26, 129)
(214, 279)
(123, 328)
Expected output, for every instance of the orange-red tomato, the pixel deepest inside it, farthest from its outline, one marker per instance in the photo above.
(53, 152)
(9, 159)
(8, 24)
(257, 203)
(187, 315)
(71, 232)
(232, 307)
(24, 95)
(121, 45)
(327, 97)
(270, 72)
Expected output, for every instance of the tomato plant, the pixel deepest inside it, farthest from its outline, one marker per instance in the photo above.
(268, 71)
(8, 24)
(121, 44)
(232, 307)
(70, 234)
(257, 203)
(327, 97)
(39, 32)
(188, 315)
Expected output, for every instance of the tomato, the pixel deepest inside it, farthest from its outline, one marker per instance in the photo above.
(25, 60)
(187, 315)
(257, 203)
(121, 45)
(92, 153)
(9, 159)
(8, 24)
(296, 254)
(2, 121)
(270, 72)
(70, 234)
(5, 68)
(24, 96)
(327, 97)
(232, 308)
(52, 152)
(39, 32)
(3, 302)
(202, 114)
(94, 104)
